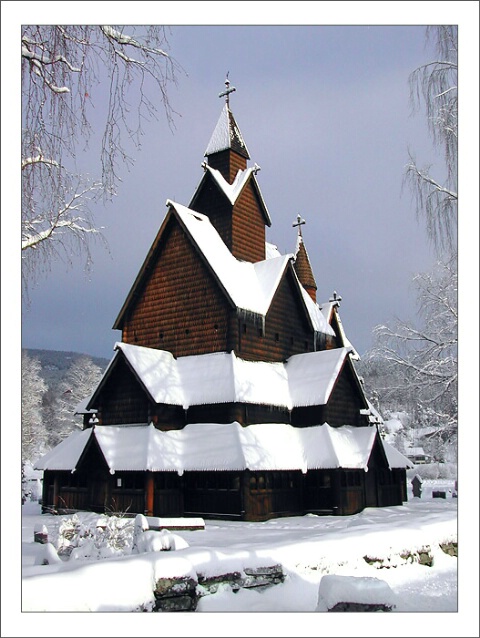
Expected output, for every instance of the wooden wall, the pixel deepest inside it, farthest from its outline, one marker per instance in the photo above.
(251, 496)
(122, 399)
(242, 227)
(287, 330)
(212, 203)
(345, 402)
(181, 307)
(243, 413)
(248, 227)
(228, 163)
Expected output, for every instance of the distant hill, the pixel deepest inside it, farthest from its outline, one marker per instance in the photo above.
(55, 363)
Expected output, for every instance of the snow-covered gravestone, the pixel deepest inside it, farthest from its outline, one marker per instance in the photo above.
(40, 534)
(353, 593)
(417, 486)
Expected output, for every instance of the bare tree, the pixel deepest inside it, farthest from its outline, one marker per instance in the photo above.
(435, 84)
(33, 429)
(80, 381)
(422, 358)
(67, 72)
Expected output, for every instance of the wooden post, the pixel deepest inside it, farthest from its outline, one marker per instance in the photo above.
(55, 492)
(149, 489)
(336, 492)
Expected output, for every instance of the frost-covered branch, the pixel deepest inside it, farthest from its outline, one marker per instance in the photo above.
(66, 72)
(415, 364)
(435, 85)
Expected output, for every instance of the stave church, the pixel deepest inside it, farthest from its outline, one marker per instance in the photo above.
(233, 392)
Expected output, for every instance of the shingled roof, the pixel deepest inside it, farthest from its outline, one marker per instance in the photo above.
(214, 446)
(227, 136)
(249, 286)
(220, 377)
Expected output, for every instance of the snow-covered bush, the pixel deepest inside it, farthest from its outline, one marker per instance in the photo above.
(107, 536)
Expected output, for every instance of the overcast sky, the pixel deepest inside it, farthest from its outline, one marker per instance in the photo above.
(325, 112)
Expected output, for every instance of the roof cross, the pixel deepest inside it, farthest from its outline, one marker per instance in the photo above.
(299, 224)
(335, 298)
(227, 91)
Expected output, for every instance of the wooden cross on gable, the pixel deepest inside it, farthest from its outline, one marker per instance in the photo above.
(299, 224)
(227, 91)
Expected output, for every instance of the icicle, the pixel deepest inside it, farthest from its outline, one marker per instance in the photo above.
(252, 317)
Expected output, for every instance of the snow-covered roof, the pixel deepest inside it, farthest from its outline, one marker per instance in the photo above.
(395, 458)
(66, 454)
(414, 451)
(327, 309)
(226, 135)
(373, 415)
(213, 446)
(233, 191)
(82, 407)
(271, 250)
(250, 286)
(303, 380)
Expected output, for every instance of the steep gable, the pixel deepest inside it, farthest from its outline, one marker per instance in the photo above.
(167, 306)
(237, 210)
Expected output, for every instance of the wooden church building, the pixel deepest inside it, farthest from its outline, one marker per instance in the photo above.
(233, 392)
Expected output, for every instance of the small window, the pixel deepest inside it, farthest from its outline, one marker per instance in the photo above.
(260, 332)
(215, 327)
(292, 341)
(187, 331)
(277, 336)
(160, 334)
(244, 328)
(119, 482)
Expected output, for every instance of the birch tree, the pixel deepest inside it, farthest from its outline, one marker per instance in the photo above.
(434, 85)
(71, 76)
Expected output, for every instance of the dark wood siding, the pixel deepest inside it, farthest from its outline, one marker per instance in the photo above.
(242, 227)
(317, 492)
(248, 227)
(181, 307)
(243, 413)
(122, 399)
(228, 163)
(215, 205)
(352, 491)
(270, 494)
(167, 417)
(309, 415)
(213, 494)
(345, 402)
(287, 330)
(168, 494)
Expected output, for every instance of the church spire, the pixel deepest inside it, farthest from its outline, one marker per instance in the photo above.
(302, 264)
(226, 150)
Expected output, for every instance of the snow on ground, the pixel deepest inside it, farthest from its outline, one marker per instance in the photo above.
(308, 547)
